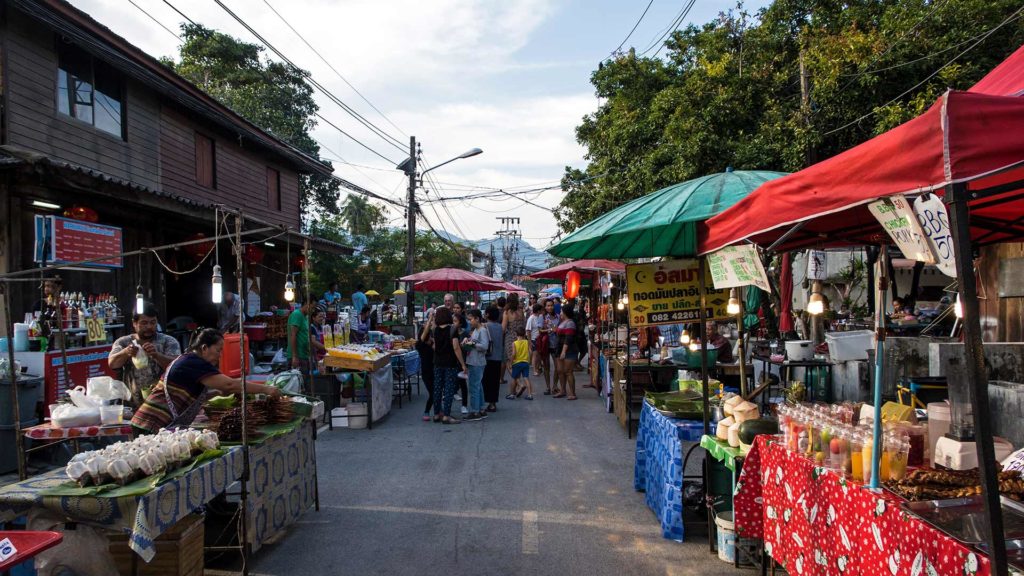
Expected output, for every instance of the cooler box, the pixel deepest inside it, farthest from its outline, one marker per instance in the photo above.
(257, 332)
(230, 361)
(853, 345)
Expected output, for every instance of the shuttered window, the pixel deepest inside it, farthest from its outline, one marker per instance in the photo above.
(274, 189)
(206, 161)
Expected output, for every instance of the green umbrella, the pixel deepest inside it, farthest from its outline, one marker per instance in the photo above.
(751, 305)
(662, 223)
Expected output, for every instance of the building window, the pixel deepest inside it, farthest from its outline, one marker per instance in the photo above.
(206, 161)
(274, 189)
(89, 90)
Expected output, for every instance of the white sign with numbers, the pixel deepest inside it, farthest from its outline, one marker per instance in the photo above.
(900, 222)
(931, 214)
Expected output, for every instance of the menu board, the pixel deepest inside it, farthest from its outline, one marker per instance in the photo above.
(83, 363)
(64, 241)
(735, 266)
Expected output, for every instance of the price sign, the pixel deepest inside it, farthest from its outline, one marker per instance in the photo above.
(669, 293)
(96, 331)
(735, 266)
(7, 549)
(934, 221)
(900, 222)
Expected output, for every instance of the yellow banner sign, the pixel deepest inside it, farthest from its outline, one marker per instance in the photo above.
(669, 293)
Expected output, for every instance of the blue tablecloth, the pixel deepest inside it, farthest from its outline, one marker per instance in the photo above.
(142, 517)
(282, 483)
(406, 364)
(659, 466)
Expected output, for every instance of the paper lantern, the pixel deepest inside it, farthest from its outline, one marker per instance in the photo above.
(83, 213)
(299, 261)
(572, 284)
(197, 251)
(253, 254)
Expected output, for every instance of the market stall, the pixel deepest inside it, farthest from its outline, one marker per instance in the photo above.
(951, 162)
(374, 367)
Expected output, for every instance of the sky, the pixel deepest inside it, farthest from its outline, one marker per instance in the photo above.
(511, 77)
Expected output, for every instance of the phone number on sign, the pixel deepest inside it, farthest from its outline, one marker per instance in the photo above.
(663, 317)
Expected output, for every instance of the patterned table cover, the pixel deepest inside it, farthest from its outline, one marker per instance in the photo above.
(48, 432)
(144, 517)
(659, 466)
(282, 482)
(815, 522)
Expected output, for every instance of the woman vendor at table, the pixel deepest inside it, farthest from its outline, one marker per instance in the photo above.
(176, 400)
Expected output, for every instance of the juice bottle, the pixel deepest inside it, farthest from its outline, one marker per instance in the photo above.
(883, 466)
(328, 336)
(865, 452)
(898, 458)
(856, 456)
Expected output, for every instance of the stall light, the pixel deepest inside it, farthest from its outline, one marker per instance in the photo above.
(620, 306)
(694, 346)
(140, 304)
(289, 290)
(611, 285)
(816, 304)
(684, 338)
(47, 205)
(733, 308)
(958, 307)
(625, 300)
(217, 285)
(270, 244)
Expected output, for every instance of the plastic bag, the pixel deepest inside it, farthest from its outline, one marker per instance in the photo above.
(289, 381)
(105, 388)
(72, 416)
(84, 549)
(80, 399)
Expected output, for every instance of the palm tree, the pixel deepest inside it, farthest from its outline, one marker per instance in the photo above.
(360, 215)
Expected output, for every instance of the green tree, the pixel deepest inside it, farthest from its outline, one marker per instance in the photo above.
(729, 92)
(361, 217)
(273, 95)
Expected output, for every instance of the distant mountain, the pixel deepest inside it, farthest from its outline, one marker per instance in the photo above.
(532, 258)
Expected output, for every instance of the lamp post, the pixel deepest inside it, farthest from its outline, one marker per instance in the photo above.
(416, 179)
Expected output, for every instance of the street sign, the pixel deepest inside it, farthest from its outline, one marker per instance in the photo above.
(668, 292)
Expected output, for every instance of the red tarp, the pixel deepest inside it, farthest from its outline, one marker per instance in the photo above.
(975, 136)
(589, 265)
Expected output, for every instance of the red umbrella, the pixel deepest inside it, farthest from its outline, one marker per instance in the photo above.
(587, 265)
(452, 279)
(786, 294)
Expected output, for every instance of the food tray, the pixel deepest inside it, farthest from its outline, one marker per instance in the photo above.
(964, 518)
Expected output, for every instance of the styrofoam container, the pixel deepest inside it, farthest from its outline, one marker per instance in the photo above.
(351, 416)
(853, 345)
(799, 350)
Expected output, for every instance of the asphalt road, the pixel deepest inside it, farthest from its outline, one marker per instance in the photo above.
(540, 487)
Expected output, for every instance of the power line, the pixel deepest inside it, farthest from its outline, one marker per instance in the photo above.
(151, 17)
(180, 13)
(930, 76)
(333, 69)
(671, 28)
(676, 27)
(628, 36)
(359, 117)
(353, 138)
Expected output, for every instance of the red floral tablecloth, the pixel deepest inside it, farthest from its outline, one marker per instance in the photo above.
(815, 522)
(48, 432)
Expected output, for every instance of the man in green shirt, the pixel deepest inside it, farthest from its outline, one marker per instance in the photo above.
(298, 337)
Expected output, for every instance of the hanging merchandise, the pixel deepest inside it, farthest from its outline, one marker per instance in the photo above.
(606, 284)
(572, 284)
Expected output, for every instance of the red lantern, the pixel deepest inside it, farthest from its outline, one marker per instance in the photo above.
(253, 254)
(82, 213)
(572, 284)
(299, 261)
(197, 251)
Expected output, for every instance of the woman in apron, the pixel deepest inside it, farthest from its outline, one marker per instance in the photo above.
(186, 384)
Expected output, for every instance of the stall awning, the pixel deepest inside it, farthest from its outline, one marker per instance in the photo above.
(975, 136)
(589, 265)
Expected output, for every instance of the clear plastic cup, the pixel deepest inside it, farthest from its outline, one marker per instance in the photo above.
(111, 415)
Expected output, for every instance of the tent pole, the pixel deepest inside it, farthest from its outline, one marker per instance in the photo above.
(703, 332)
(19, 442)
(876, 431)
(243, 503)
(742, 349)
(959, 222)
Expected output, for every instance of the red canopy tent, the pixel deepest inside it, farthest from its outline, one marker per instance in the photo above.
(969, 149)
(453, 279)
(587, 265)
(974, 137)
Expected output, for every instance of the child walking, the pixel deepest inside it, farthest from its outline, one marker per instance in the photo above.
(533, 326)
(521, 367)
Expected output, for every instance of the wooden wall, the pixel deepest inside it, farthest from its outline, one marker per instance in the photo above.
(1002, 319)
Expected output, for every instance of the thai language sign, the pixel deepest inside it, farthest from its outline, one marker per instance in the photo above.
(669, 293)
(735, 266)
(900, 222)
(65, 241)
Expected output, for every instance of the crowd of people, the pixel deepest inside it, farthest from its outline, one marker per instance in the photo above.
(470, 354)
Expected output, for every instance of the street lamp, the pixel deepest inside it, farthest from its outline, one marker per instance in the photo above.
(409, 167)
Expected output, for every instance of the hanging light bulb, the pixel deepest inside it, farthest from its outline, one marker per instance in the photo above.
(289, 290)
(140, 304)
(620, 306)
(684, 338)
(625, 300)
(694, 346)
(816, 304)
(958, 307)
(733, 308)
(217, 285)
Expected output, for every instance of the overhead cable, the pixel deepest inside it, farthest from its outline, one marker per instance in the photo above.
(628, 36)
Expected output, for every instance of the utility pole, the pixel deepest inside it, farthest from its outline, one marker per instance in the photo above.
(410, 247)
(509, 235)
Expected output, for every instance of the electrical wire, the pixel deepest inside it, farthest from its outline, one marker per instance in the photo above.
(180, 13)
(359, 117)
(671, 28)
(676, 27)
(930, 76)
(153, 18)
(343, 79)
(628, 36)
